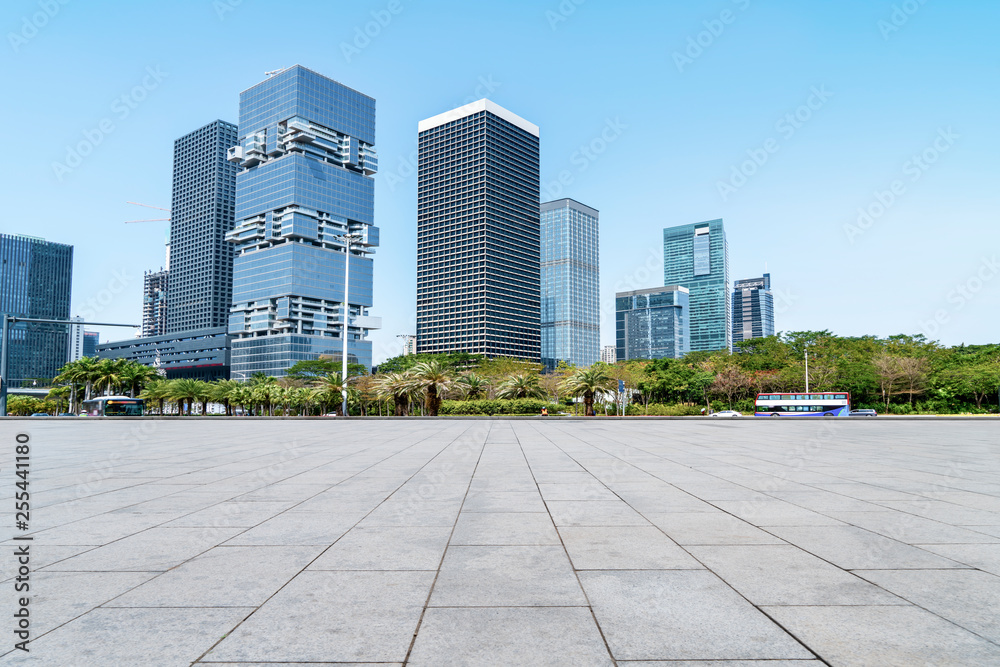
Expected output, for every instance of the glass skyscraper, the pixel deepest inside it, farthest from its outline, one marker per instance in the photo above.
(753, 308)
(201, 214)
(652, 323)
(571, 320)
(478, 282)
(36, 280)
(307, 159)
(697, 257)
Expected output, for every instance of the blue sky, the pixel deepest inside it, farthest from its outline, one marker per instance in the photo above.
(784, 118)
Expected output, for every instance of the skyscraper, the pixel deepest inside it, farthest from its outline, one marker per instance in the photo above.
(307, 157)
(201, 214)
(154, 302)
(609, 354)
(571, 320)
(652, 323)
(36, 280)
(753, 308)
(697, 257)
(478, 234)
(90, 342)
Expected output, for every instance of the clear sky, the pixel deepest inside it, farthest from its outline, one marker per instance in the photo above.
(782, 117)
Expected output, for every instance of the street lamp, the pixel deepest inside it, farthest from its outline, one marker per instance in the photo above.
(807, 369)
(348, 239)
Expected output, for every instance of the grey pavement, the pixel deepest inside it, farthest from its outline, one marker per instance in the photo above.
(753, 543)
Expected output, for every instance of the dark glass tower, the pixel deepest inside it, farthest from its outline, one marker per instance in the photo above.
(36, 280)
(478, 236)
(307, 156)
(201, 214)
(652, 323)
(571, 319)
(697, 257)
(753, 308)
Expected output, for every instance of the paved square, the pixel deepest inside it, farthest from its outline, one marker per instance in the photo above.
(507, 542)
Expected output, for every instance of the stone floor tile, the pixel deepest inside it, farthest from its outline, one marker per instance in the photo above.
(504, 501)
(624, 548)
(983, 556)
(386, 548)
(771, 512)
(509, 636)
(594, 513)
(710, 528)
(682, 615)
(504, 528)
(913, 529)
(297, 529)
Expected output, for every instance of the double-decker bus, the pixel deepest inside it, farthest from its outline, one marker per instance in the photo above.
(114, 406)
(823, 404)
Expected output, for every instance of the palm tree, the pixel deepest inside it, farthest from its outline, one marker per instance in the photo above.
(399, 388)
(223, 391)
(59, 395)
(157, 390)
(520, 386)
(434, 378)
(185, 390)
(134, 376)
(108, 374)
(586, 382)
(473, 386)
(332, 390)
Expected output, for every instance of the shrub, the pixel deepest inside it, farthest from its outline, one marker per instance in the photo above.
(520, 406)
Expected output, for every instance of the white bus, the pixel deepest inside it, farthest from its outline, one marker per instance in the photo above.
(823, 404)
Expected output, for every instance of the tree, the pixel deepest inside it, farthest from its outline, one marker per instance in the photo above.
(308, 370)
(913, 376)
(472, 386)
(159, 391)
(434, 378)
(520, 386)
(889, 376)
(397, 387)
(332, 390)
(587, 382)
(187, 391)
(730, 382)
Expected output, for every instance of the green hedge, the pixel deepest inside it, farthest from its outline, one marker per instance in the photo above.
(660, 410)
(521, 406)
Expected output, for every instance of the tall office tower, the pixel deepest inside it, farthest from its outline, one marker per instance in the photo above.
(409, 345)
(478, 233)
(36, 280)
(201, 214)
(697, 257)
(609, 354)
(571, 319)
(90, 341)
(307, 157)
(653, 323)
(74, 350)
(753, 308)
(154, 302)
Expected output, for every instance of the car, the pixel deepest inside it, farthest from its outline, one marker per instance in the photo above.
(40, 414)
(70, 414)
(727, 414)
(863, 413)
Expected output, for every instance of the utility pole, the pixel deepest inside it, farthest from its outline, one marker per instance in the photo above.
(348, 239)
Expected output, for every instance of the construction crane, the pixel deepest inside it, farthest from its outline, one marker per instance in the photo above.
(149, 219)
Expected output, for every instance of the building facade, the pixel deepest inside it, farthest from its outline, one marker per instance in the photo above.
(570, 284)
(697, 257)
(36, 280)
(74, 349)
(753, 308)
(609, 354)
(409, 345)
(90, 342)
(202, 354)
(154, 302)
(306, 158)
(201, 214)
(653, 323)
(478, 236)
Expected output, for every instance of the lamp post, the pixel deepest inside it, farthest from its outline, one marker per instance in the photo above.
(348, 240)
(807, 369)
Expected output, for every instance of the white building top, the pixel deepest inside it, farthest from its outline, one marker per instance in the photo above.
(474, 108)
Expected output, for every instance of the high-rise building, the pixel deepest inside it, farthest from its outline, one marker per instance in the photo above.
(36, 280)
(697, 257)
(609, 354)
(753, 308)
(571, 319)
(154, 302)
(74, 350)
(307, 161)
(653, 323)
(201, 214)
(478, 235)
(90, 342)
(409, 345)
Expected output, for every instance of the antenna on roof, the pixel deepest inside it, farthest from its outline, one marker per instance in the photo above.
(275, 71)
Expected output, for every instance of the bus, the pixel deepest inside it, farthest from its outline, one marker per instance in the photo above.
(823, 404)
(114, 406)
